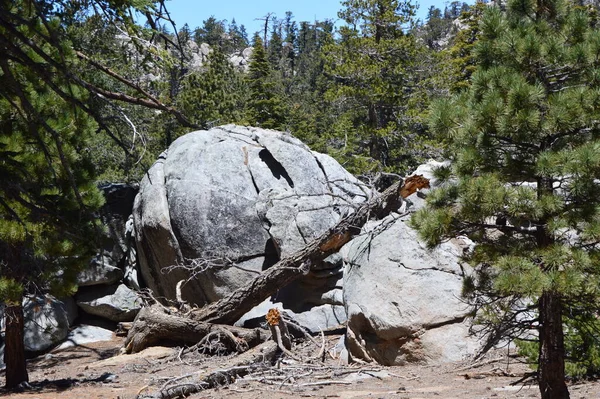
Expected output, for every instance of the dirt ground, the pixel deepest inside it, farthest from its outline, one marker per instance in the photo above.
(97, 371)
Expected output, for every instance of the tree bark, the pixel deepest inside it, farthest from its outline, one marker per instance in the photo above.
(552, 349)
(153, 325)
(228, 310)
(14, 350)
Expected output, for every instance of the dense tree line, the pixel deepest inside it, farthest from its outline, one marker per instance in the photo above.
(87, 95)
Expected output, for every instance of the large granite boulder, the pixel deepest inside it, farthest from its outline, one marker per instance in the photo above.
(403, 299)
(243, 198)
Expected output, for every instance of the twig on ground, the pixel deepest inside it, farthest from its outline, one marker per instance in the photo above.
(479, 364)
(496, 371)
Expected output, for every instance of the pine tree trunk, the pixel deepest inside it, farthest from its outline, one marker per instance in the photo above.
(552, 349)
(14, 350)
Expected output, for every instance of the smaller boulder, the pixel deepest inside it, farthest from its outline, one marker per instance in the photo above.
(116, 302)
(315, 319)
(403, 299)
(46, 323)
(85, 334)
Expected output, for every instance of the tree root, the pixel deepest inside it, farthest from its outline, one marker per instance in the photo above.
(153, 325)
(260, 357)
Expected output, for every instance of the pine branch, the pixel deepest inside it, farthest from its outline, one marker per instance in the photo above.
(147, 101)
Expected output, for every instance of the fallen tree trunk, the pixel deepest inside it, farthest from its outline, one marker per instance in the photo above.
(153, 325)
(229, 309)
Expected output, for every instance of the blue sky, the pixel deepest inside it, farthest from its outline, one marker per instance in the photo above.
(245, 12)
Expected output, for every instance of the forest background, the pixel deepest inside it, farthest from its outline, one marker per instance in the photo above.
(359, 92)
(89, 96)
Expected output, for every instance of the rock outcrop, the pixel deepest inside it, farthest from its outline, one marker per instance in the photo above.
(403, 299)
(237, 199)
(199, 54)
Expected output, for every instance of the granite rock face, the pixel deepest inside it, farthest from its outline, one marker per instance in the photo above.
(116, 255)
(240, 198)
(403, 299)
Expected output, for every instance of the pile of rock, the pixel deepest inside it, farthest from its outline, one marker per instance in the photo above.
(239, 199)
(220, 206)
(245, 197)
(102, 290)
(199, 54)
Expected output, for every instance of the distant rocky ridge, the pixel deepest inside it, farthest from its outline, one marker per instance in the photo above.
(199, 56)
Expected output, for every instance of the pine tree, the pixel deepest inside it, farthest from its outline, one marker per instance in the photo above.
(265, 107)
(461, 59)
(51, 83)
(274, 50)
(525, 145)
(237, 38)
(435, 28)
(212, 32)
(370, 66)
(47, 200)
(215, 95)
(290, 45)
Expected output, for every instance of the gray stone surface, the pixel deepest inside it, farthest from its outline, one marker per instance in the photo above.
(403, 299)
(116, 302)
(244, 194)
(198, 55)
(85, 334)
(320, 317)
(46, 323)
(100, 271)
(115, 252)
(314, 319)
